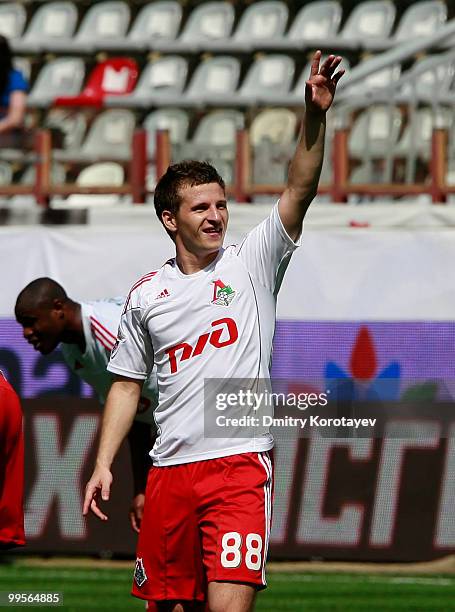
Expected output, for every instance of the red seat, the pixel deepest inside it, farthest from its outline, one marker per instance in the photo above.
(114, 77)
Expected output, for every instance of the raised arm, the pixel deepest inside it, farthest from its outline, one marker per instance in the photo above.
(119, 412)
(306, 164)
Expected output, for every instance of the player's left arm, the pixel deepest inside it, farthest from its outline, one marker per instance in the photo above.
(305, 167)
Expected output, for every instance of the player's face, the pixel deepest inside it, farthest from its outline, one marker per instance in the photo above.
(42, 326)
(202, 218)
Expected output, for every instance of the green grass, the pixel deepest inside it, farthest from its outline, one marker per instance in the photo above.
(86, 589)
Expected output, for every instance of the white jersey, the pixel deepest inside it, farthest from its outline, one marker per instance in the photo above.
(100, 320)
(216, 323)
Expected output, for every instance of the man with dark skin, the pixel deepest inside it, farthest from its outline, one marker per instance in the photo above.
(86, 333)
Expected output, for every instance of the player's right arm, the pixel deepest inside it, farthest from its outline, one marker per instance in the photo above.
(119, 413)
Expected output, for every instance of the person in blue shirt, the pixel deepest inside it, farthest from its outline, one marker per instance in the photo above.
(13, 92)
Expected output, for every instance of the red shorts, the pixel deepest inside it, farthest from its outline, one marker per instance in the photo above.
(204, 521)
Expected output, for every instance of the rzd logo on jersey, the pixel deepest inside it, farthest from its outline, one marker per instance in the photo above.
(224, 334)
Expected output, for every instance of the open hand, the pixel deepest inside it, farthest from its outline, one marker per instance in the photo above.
(136, 512)
(320, 87)
(99, 484)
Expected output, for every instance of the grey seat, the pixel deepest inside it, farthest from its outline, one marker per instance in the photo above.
(272, 137)
(53, 21)
(267, 75)
(12, 21)
(70, 125)
(261, 22)
(207, 23)
(109, 138)
(214, 141)
(368, 22)
(175, 120)
(415, 142)
(6, 173)
(213, 80)
(155, 23)
(375, 132)
(429, 75)
(419, 20)
(105, 23)
(60, 77)
(161, 82)
(314, 26)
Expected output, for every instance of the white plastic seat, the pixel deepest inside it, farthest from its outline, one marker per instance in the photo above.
(12, 21)
(419, 20)
(375, 132)
(213, 81)
(52, 22)
(208, 22)
(161, 82)
(156, 21)
(104, 24)
(59, 77)
(272, 136)
(261, 22)
(174, 120)
(109, 138)
(102, 174)
(370, 21)
(314, 26)
(214, 141)
(267, 75)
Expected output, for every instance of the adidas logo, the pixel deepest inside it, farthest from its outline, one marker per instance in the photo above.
(163, 294)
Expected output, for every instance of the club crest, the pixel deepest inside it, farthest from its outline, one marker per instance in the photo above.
(139, 572)
(222, 294)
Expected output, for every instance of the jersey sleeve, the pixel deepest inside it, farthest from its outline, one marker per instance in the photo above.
(132, 354)
(266, 251)
(17, 82)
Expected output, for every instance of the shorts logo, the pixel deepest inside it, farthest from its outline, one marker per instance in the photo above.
(222, 294)
(139, 573)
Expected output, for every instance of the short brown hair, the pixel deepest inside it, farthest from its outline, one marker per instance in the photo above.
(184, 174)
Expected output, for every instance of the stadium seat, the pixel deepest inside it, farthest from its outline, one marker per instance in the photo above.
(369, 21)
(214, 141)
(314, 26)
(272, 137)
(64, 75)
(417, 135)
(262, 21)
(426, 76)
(109, 138)
(420, 19)
(58, 174)
(53, 21)
(267, 75)
(114, 77)
(213, 80)
(208, 22)
(156, 22)
(375, 132)
(161, 80)
(12, 21)
(105, 23)
(6, 173)
(173, 119)
(102, 174)
(70, 126)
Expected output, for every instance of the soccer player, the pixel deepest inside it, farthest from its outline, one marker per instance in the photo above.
(11, 468)
(86, 333)
(207, 314)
